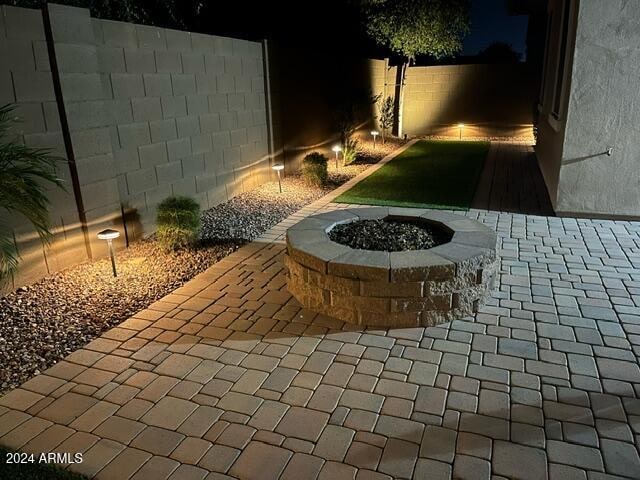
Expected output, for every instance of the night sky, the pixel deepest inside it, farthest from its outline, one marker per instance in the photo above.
(490, 23)
(335, 25)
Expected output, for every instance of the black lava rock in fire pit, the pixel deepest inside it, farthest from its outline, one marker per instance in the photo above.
(389, 235)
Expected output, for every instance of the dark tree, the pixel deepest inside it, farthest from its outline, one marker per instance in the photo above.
(499, 52)
(416, 27)
(164, 13)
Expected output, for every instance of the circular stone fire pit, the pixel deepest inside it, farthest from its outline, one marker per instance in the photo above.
(405, 288)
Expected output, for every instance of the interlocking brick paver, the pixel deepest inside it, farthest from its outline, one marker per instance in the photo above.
(67, 408)
(399, 428)
(219, 458)
(169, 413)
(620, 458)
(228, 376)
(575, 455)
(474, 445)
(125, 464)
(471, 468)
(302, 465)
(240, 402)
(431, 400)
(361, 400)
(261, 461)
(426, 468)
(361, 420)
(333, 443)
(99, 455)
(119, 429)
(516, 461)
(303, 423)
(363, 455)
(399, 458)
(191, 450)
(325, 398)
(338, 471)
(158, 441)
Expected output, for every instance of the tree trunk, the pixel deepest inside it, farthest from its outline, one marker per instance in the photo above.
(400, 84)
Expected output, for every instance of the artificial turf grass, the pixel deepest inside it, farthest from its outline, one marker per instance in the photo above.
(438, 174)
(33, 471)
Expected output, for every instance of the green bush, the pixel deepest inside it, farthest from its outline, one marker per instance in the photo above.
(314, 169)
(350, 151)
(26, 175)
(386, 116)
(178, 222)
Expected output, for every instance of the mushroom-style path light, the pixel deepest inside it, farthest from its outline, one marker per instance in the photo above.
(374, 134)
(461, 126)
(278, 168)
(337, 149)
(109, 235)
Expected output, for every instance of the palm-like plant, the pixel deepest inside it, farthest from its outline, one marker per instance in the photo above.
(24, 172)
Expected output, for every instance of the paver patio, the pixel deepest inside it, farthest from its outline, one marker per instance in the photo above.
(229, 377)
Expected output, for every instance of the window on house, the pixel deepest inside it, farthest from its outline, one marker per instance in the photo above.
(562, 59)
(545, 63)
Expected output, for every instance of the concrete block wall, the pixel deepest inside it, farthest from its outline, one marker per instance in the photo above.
(383, 81)
(159, 112)
(491, 100)
(151, 112)
(26, 81)
(303, 99)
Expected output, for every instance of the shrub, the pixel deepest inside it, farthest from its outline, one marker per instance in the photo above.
(178, 222)
(25, 177)
(314, 169)
(386, 116)
(350, 151)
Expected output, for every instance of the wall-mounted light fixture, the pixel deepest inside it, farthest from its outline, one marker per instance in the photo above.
(374, 134)
(278, 168)
(109, 235)
(460, 127)
(336, 149)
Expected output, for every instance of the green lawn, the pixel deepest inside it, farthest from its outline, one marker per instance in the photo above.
(33, 471)
(430, 173)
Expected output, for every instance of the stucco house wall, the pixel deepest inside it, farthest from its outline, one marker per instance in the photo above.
(600, 109)
(603, 112)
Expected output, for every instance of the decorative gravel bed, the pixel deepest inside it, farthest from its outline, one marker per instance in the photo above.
(47, 320)
(250, 214)
(388, 235)
(44, 322)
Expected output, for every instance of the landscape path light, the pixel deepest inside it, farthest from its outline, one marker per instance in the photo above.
(278, 168)
(337, 149)
(374, 133)
(109, 235)
(460, 127)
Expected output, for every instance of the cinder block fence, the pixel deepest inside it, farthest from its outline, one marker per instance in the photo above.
(137, 113)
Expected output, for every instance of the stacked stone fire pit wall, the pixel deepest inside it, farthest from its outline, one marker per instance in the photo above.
(391, 289)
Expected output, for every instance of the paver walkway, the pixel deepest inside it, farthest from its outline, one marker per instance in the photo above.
(229, 376)
(511, 181)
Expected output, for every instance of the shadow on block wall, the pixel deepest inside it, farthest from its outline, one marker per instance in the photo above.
(490, 100)
(305, 86)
